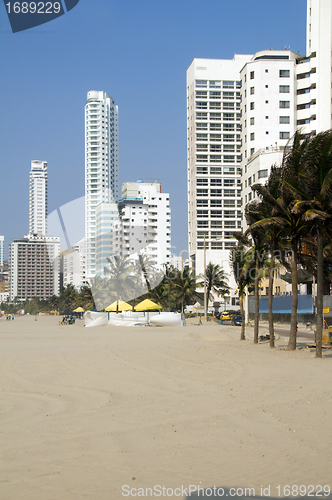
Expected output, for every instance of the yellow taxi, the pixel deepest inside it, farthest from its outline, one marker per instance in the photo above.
(226, 315)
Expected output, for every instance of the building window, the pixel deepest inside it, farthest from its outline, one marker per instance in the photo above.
(201, 170)
(284, 73)
(226, 84)
(229, 192)
(214, 94)
(201, 84)
(228, 106)
(215, 126)
(215, 148)
(201, 203)
(252, 75)
(284, 119)
(216, 193)
(201, 137)
(215, 182)
(216, 223)
(229, 158)
(215, 105)
(202, 223)
(228, 95)
(202, 182)
(215, 137)
(215, 84)
(284, 89)
(201, 116)
(252, 90)
(202, 213)
(201, 105)
(216, 214)
(227, 116)
(201, 192)
(201, 158)
(252, 105)
(201, 94)
(284, 135)
(215, 203)
(215, 170)
(262, 173)
(215, 158)
(201, 126)
(252, 151)
(252, 136)
(216, 245)
(201, 147)
(252, 121)
(215, 116)
(284, 104)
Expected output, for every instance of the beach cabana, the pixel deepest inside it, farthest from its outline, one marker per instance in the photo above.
(148, 305)
(79, 310)
(122, 306)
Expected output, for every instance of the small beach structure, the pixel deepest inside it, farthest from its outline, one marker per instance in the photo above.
(79, 310)
(118, 305)
(148, 305)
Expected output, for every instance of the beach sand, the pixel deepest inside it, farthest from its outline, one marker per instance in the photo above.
(86, 411)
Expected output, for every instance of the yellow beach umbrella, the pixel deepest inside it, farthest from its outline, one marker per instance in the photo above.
(147, 305)
(122, 306)
(79, 310)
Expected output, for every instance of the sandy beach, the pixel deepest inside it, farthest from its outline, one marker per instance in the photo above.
(92, 413)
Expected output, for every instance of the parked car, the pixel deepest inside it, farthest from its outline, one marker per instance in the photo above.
(237, 320)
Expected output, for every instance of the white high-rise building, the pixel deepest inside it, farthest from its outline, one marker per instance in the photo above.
(101, 165)
(38, 198)
(314, 89)
(107, 215)
(73, 265)
(268, 109)
(144, 223)
(214, 159)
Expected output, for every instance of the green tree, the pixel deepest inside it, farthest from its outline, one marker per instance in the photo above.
(242, 263)
(216, 281)
(185, 285)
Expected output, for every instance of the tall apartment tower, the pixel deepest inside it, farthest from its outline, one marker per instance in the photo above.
(38, 198)
(268, 109)
(144, 225)
(314, 91)
(214, 159)
(101, 165)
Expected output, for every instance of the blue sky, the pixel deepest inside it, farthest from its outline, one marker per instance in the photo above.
(138, 52)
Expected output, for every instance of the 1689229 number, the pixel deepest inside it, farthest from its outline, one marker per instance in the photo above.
(33, 7)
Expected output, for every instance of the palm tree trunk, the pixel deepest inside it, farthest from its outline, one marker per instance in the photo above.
(320, 278)
(270, 297)
(243, 337)
(292, 335)
(256, 301)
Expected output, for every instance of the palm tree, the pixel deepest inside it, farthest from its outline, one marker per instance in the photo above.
(316, 178)
(120, 283)
(185, 285)
(287, 218)
(216, 281)
(242, 262)
(268, 195)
